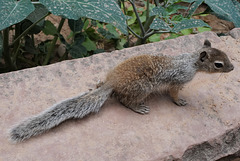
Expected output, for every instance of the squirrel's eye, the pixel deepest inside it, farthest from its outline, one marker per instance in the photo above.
(218, 65)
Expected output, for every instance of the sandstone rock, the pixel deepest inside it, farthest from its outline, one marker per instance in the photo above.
(235, 33)
(207, 128)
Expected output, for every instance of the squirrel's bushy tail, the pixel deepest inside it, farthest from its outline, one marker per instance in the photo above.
(76, 107)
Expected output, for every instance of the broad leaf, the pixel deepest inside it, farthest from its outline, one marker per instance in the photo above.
(131, 18)
(102, 10)
(76, 25)
(78, 51)
(112, 30)
(121, 43)
(187, 24)
(39, 12)
(174, 8)
(89, 44)
(194, 6)
(106, 34)
(237, 4)
(203, 29)
(186, 31)
(29, 45)
(25, 24)
(225, 9)
(159, 10)
(189, 1)
(1, 45)
(13, 12)
(49, 28)
(172, 36)
(159, 24)
(154, 38)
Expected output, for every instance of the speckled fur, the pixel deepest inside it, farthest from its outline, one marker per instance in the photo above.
(131, 82)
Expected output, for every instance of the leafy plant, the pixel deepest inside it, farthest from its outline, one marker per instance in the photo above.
(92, 21)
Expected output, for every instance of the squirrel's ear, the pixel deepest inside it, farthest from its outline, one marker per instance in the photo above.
(203, 56)
(207, 44)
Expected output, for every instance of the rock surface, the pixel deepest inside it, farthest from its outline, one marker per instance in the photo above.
(208, 128)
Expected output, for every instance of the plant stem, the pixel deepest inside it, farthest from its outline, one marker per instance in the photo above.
(125, 12)
(149, 20)
(16, 44)
(138, 18)
(27, 61)
(29, 28)
(51, 49)
(156, 2)
(6, 54)
(134, 33)
(148, 10)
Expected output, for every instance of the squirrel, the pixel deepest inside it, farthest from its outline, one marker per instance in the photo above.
(131, 82)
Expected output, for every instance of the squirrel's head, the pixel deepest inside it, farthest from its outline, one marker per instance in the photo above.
(213, 60)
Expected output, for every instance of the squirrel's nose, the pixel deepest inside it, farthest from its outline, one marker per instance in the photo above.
(230, 68)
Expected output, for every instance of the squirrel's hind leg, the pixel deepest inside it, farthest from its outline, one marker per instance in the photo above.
(137, 105)
(139, 108)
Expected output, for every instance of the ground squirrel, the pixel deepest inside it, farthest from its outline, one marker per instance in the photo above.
(131, 82)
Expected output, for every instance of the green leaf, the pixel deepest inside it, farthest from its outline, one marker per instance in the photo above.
(76, 25)
(159, 10)
(92, 34)
(186, 31)
(1, 44)
(78, 51)
(174, 8)
(189, 1)
(130, 8)
(237, 4)
(132, 19)
(25, 24)
(86, 23)
(154, 38)
(99, 51)
(176, 18)
(194, 6)
(29, 45)
(172, 36)
(89, 44)
(79, 38)
(203, 29)
(158, 24)
(13, 12)
(102, 10)
(112, 30)
(106, 34)
(187, 24)
(136, 28)
(49, 28)
(39, 12)
(121, 43)
(225, 9)
(143, 18)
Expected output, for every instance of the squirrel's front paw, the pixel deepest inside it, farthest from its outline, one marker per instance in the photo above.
(180, 102)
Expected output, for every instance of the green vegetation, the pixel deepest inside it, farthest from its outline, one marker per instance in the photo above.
(91, 21)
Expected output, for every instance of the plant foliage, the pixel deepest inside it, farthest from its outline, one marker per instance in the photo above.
(93, 21)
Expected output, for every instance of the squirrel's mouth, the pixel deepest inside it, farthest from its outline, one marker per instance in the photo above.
(229, 69)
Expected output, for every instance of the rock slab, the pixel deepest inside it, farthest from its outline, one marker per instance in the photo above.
(208, 128)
